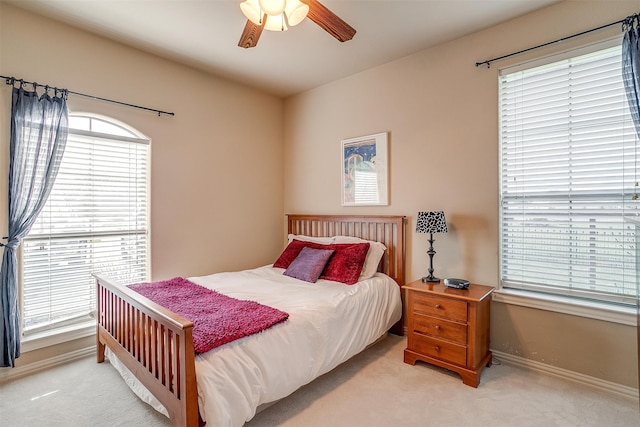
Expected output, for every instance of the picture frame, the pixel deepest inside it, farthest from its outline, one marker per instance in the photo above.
(365, 170)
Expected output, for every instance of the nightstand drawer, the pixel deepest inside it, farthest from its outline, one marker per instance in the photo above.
(440, 328)
(439, 349)
(439, 307)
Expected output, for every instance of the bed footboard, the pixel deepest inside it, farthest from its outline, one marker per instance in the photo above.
(155, 344)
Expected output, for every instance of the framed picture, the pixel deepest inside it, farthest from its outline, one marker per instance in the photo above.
(365, 167)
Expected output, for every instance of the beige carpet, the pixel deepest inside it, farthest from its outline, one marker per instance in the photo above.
(373, 389)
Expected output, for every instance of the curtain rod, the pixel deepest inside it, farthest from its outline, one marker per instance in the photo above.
(489, 61)
(12, 80)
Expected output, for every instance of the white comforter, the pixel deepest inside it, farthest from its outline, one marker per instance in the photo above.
(328, 323)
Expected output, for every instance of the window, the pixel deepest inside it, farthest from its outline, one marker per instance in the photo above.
(95, 221)
(568, 177)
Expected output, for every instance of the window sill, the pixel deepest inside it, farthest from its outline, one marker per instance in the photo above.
(57, 336)
(592, 310)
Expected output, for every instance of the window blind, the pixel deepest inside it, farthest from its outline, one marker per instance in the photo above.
(567, 179)
(95, 221)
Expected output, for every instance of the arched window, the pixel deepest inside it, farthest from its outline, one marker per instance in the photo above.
(96, 221)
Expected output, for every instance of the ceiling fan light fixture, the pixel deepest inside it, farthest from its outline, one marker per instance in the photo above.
(275, 23)
(254, 12)
(273, 7)
(251, 9)
(296, 11)
(276, 15)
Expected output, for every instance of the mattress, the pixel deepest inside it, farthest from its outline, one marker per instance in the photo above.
(329, 323)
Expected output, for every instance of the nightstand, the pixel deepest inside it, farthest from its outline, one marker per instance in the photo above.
(449, 327)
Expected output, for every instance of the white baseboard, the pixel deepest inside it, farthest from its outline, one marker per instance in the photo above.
(608, 386)
(7, 374)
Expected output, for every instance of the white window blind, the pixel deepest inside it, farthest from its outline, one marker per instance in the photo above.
(568, 171)
(95, 221)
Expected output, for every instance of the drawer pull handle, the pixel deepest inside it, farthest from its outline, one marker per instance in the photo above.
(438, 306)
(438, 348)
(437, 327)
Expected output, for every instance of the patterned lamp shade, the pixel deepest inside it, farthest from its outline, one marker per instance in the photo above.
(431, 222)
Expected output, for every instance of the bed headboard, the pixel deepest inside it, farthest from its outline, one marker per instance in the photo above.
(387, 229)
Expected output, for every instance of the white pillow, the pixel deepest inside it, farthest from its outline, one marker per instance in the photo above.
(319, 240)
(376, 251)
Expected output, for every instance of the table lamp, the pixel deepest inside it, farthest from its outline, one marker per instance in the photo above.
(431, 222)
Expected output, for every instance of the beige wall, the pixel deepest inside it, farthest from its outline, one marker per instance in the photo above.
(215, 204)
(441, 115)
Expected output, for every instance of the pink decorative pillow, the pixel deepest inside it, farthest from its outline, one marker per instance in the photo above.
(346, 263)
(309, 264)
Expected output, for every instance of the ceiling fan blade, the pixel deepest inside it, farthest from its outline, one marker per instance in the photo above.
(329, 21)
(251, 34)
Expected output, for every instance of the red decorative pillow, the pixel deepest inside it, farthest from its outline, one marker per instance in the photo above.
(344, 266)
(292, 251)
(346, 263)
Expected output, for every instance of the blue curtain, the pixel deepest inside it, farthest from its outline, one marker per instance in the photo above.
(631, 78)
(39, 127)
(631, 67)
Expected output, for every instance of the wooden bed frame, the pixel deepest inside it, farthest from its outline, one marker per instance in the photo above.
(156, 345)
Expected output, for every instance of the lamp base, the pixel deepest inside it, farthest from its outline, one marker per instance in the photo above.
(430, 279)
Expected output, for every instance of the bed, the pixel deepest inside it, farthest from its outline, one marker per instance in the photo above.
(153, 348)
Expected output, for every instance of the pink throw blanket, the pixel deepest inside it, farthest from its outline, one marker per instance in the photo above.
(217, 319)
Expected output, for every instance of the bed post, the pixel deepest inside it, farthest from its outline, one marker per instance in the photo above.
(100, 347)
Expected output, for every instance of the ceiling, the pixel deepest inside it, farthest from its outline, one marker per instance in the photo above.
(205, 34)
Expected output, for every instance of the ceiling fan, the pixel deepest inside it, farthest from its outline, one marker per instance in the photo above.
(275, 15)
